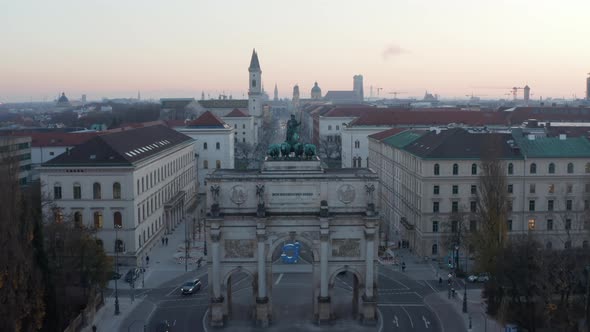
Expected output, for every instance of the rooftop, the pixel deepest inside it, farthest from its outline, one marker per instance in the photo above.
(207, 120)
(380, 136)
(553, 147)
(428, 117)
(176, 102)
(237, 113)
(404, 138)
(121, 148)
(224, 103)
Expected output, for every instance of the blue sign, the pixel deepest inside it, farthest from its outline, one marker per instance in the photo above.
(290, 253)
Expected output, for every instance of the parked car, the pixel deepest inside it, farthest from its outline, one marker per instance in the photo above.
(132, 274)
(191, 286)
(482, 277)
(115, 275)
(163, 326)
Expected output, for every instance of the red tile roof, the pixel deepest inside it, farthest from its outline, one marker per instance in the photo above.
(46, 139)
(207, 119)
(387, 133)
(237, 113)
(430, 118)
(349, 111)
(563, 114)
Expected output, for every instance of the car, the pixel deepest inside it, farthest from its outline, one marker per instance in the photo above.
(163, 326)
(190, 287)
(115, 275)
(132, 274)
(482, 277)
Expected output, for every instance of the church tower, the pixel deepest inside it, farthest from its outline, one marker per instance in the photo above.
(276, 98)
(255, 87)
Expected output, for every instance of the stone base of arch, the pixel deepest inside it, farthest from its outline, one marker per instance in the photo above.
(262, 312)
(216, 313)
(324, 309)
(369, 310)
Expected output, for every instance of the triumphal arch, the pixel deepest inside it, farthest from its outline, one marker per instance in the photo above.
(292, 201)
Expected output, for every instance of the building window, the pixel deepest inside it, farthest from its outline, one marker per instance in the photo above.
(205, 164)
(455, 190)
(119, 246)
(568, 224)
(551, 168)
(532, 205)
(473, 206)
(205, 146)
(329, 127)
(533, 168)
(569, 188)
(116, 190)
(77, 191)
(568, 244)
(549, 224)
(243, 139)
(78, 219)
(550, 205)
(243, 126)
(531, 224)
(435, 207)
(586, 204)
(587, 167)
(337, 127)
(435, 190)
(218, 164)
(435, 226)
(510, 169)
(510, 189)
(436, 169)
(509, 206)
(455, 207)
(568, 205)
(455, 169)
(357, 144)
(254, 83)
(472, 225)
(117, 220)
(97, 219)
(549, 245)
(57, 191)
(217, 146)
(551, 189)
(435, 249)
(570, 168)
(96, 192)
(585, 244)
(509, 224)
(532, 188)
(454, 226)
(473, 189)
(473, 169)
(235, 141)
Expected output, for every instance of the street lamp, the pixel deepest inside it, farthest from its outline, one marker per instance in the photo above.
(117, 312)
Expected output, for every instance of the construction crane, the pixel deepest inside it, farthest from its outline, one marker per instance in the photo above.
(378, 90)
(515, 91)
(395, 93)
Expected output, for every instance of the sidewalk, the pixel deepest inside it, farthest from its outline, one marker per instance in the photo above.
(105, 319)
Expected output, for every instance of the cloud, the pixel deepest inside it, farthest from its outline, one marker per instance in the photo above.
(392, 50)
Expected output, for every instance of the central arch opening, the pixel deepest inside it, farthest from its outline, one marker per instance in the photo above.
(344, 293)
(240, 294)
(292, 263)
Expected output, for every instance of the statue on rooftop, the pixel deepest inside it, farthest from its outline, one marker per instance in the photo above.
(292, 125)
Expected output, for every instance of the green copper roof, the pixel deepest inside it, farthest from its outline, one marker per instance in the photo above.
(404, 138)
(553, 147)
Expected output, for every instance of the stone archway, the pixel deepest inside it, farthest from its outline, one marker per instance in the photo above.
(228, 291)
(357, 285)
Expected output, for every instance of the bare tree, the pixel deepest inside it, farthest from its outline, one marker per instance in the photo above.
(492, 207)
(21, 281)
(330, 147)
(456, 235)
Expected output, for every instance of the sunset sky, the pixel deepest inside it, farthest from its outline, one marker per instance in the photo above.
(113, 48)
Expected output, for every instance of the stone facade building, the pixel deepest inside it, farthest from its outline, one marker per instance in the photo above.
(430, 178)
(131, 187)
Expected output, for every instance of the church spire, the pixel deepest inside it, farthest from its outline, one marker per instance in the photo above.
(254, 64)
(276, 93)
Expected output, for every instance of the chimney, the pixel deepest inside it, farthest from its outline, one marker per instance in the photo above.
(562, 137)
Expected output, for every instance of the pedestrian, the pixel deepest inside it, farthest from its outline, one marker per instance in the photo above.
(166, 240)
(439, 280)
(147, 260)
(403, 266)
(162, 240)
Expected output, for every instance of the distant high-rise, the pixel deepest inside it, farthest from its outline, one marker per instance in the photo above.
(588, 87)
(357, 87)
(296, 97)
(527, 94)
(84, 99)
(276, 97)
(316, 92)
(255, 86)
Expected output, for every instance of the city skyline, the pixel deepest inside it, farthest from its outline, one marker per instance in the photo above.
(458, 48)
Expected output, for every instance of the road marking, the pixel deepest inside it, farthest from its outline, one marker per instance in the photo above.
(173, 291)
(401, 305)
(411, 323)
(279, 279)
(395, 321)
(426, 322)
(429, 285)
(394, 280)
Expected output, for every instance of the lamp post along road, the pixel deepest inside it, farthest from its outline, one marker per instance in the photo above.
(116, 269)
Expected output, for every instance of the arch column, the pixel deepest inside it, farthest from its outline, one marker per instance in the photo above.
(369, 300)
(324, 310)
(215, 279)
(262, 303)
